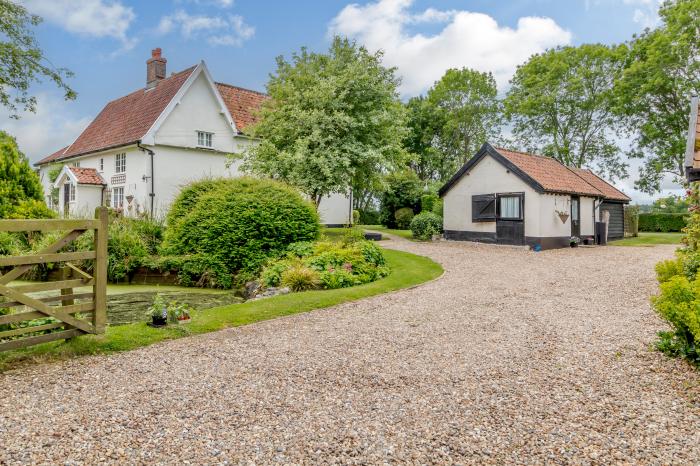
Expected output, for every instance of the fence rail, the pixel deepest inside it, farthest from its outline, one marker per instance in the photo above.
(67, 318)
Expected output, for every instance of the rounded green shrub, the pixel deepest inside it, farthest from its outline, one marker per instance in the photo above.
(403, 218)
(239, 222)
(662, 222)
(425, 225)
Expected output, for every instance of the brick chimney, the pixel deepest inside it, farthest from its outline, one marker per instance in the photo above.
(155, 68)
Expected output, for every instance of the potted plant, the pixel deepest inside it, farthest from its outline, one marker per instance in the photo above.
(179, 313)
(158, 311)
(574, 241)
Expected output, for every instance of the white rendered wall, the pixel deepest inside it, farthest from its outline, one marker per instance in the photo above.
(587, 226)
(335, 210)
(488, 177)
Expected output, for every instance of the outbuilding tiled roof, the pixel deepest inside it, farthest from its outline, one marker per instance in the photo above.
(608, 190)
(544, 174)
(87, 176)
(126, 120)
(552, 175)
(241, 103)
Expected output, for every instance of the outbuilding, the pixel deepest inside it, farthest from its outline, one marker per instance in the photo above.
(509, 197)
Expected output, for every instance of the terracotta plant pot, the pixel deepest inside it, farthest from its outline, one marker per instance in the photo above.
(563, 217)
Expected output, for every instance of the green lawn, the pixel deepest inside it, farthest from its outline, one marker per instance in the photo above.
(406, 270)
(402, 233)
(649, 239)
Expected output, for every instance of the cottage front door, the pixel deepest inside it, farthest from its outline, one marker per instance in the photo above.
(575, 216)
(66, 198)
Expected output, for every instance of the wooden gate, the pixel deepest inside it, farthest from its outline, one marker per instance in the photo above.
(68, 318)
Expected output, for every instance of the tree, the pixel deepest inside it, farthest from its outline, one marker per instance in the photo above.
(560, 105)
(424, 122)
(21, 194)
(671, 204)
(402, 188)
(469, 115)
(22, 62)
(653, 93)
(333, 121)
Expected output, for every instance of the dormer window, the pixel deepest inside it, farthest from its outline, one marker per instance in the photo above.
(204, 139)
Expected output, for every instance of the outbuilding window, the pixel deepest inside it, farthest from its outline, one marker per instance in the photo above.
(483, 208)
(72, 193)
(510, 206)
(118, 197)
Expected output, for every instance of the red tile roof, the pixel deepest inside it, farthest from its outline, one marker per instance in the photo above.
(127, 119)
(55, 156)
(242, 104)
(552, 175)
(608, 190)
(87, 176)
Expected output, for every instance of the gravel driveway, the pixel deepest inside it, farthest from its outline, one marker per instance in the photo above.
(511, 357)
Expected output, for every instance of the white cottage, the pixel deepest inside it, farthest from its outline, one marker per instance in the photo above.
(507, 197)
(142, 148)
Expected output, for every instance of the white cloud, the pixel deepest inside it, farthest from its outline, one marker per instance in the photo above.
(646, 12)
(231, 30)
(93, 18)
(468, 39)
(44, 132)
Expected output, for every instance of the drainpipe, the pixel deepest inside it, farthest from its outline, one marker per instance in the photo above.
(152, 194)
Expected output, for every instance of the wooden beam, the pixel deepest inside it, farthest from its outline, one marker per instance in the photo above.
(51, 299)
(24, 316)
(46, 309)
(50, 286)
(99, 317)
(55, 247)
(45, 258)
(29, 341)
(47, 225)
(35, 328)
(77, 270)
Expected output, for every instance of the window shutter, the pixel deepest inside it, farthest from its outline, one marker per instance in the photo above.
(483, 208)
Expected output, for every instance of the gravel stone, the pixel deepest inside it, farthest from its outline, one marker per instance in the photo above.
(511, 357)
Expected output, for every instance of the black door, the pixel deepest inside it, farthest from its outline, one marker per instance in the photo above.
(575, 216)
(510, 224)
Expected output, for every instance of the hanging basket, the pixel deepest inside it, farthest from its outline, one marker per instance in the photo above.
(563, 216)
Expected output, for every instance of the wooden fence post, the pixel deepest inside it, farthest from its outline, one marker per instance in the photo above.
(100, 273)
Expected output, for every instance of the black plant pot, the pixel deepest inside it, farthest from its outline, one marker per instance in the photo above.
(159, 321)
(573, 245)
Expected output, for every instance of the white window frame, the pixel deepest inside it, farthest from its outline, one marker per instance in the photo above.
(520, 205)
(205, 139)
(72, 192)
(102, 164)
(120, 163)
(117, 197)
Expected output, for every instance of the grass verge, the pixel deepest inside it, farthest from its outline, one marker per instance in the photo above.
(406, 270)
(649, 239)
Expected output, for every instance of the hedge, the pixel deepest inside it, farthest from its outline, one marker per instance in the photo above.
(662, 222)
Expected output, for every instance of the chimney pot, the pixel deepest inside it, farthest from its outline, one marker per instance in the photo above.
(155, 68)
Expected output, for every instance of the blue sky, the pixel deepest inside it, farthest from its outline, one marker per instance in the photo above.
(106, 42)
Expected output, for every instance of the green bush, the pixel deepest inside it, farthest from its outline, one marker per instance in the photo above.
(662, 222)
(403, 218)
(10, 244)
(369, 217)
(665, 270)
(240, 222)
(301, 248)
(403, 189)
(437, 207)
(336, 265)
(632, 220)
(31, 208)
(428, 201)
(355, 216)
(679, 304)
(300, 278)
(425, 225)
(126, 250)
